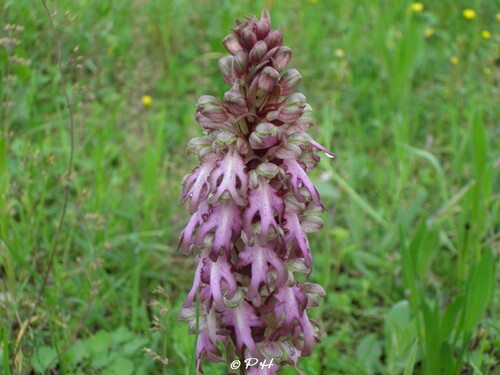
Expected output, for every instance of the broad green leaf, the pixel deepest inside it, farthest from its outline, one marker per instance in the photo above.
(400, 333)
(121, 334)
(399, 314)
(121, 366)
(104, 359)
(135, 345)
(99, 343)
(45, 358)
(78, 351)
(369, 352)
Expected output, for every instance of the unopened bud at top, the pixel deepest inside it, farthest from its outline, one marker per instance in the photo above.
(240, 64)
(294, 107)
(226, 66)
(258, 51)
(281, 58)
(235, 100)
(289, 82)
(267, 79)
(291, 111)
(264, 25)
(232, 44)
(249, 37)
(212, 108)
(273, 39)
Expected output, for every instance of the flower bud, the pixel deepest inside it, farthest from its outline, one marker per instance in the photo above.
(240, 64)
(225, 66)
(299, 139)
(225, 137)
(241, 146)
(289, 82)
(288, 151)
(264, 25)
(267, 79)
(294, 108)
(265, 135)
(232, 44)
(200, 146)
(258, 51)
(249, 37)
(305, 121)
(274, 96)
(281, 58)
(273, 39)
(234, 100)
(268, 170)
(212, 108)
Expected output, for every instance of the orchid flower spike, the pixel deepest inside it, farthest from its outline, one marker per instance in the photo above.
(252, 203)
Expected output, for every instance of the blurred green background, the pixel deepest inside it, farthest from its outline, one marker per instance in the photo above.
(406, 95)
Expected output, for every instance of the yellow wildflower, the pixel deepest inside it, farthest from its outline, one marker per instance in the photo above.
(313, 1)
(454, 60)
(486, 34)
(429, 32)
(147, 101)
(498, 17)
(469, 14)
(339, 52)
(487, 71)
(417, 7)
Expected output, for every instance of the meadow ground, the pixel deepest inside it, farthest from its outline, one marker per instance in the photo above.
(406, 95)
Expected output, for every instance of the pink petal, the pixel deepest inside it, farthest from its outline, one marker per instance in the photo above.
(196, 185)
(299, 177)
(225, 222)
(261, 257)
(232, 172)
(265, 202)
